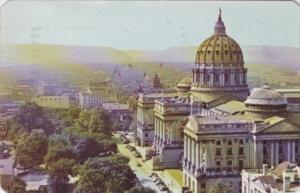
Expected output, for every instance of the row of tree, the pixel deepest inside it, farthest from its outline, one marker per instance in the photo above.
(72, 143)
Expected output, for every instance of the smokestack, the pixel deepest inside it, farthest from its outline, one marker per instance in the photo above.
(286, 183)
(288, 177)
(265, 169)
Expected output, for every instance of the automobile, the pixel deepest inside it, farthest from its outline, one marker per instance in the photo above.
(138, 156)
(138, 164)
(155, 178)
(152, 174)
(163, 188)
(159, 182)
(132, 149)
(126, 141)
(127, 146)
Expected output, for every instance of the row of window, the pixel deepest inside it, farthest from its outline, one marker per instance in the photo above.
(218, 52)
(229, 165)
(50, 99)
(229, 151)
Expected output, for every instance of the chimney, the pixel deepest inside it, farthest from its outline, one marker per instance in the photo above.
(265, 169)
(286, 183)
(288, 177)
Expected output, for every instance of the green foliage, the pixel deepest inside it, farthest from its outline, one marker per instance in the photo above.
(221, 186)
(31, 116)
(15, 185)
(31, 149)
(140, 189)
(91, 181)
(118, 175)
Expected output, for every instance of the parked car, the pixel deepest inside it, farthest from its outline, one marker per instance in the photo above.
(139, 164)
(163, 188)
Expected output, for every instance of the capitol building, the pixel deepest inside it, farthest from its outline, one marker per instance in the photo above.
(212, 126)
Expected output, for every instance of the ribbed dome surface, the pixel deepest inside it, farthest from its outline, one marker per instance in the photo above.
(220, 49)
(266, 96)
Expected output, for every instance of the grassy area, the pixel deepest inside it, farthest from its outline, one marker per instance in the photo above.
(176, 174)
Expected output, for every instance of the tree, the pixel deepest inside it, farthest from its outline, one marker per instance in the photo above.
(140, 189)
(31, 149)
(87, 147)
(31, 116)
(58, 184)
(100, 122)
(91, 181)
(15, 185)
(118, 175)
(57, 152)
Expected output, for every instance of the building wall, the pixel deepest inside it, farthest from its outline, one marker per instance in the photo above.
(53, 101)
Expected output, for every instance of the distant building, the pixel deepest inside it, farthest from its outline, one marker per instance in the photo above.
(95, 94)
(56, 102)
(156, 82)
(285, 178)
(118, 112)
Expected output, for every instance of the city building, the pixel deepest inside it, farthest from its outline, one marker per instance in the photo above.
(120, 114)
(169, 120)
(145, 115)
(284, 178)
(211, 127)
(57, 102)
(220, 146)
(95, 94)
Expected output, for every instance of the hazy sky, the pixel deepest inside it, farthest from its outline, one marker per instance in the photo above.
(147, 25)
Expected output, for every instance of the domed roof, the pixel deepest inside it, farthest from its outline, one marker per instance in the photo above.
(185, 84)
(220, 49)
(266, 96)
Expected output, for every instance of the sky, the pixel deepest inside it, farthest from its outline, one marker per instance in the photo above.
(147, 25)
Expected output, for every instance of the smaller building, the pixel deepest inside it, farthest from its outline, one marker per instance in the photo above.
(145, 115)
(53, 101)
(120, 114)
(95, 94)
(282, 179)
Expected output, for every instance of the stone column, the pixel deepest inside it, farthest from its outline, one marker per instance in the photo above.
(293, 160)
(272, 153)
(276, 152)
(289, 153)
(184, 146)
(197, 154)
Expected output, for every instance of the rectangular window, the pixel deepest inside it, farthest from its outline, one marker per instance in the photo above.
(229, 151)
(218, 151)
(218, 165)
(241, 151)
(241, 164)
(229, 165)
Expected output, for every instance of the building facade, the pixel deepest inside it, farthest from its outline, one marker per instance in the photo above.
(283, 178)
(169, 120)
(220, 146)
(145, 115)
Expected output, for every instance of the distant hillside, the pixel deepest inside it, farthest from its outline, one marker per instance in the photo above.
(285, 57)
(276, 65)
